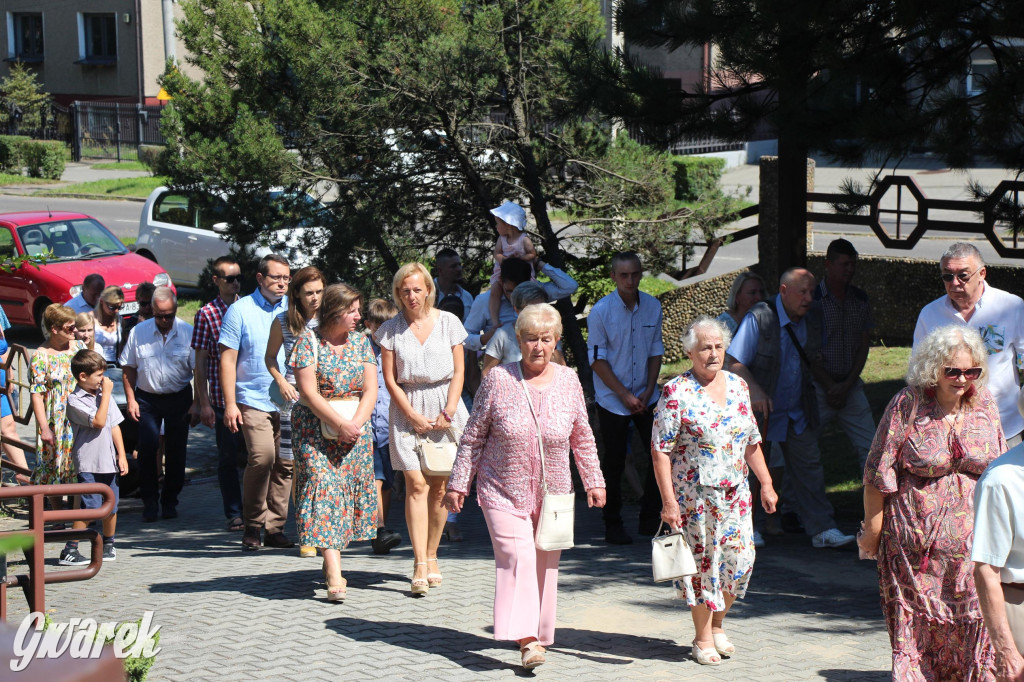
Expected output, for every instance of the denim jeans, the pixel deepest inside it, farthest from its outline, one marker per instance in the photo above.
(172, 410)
(229, 448)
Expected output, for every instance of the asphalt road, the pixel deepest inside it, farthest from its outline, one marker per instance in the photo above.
(120, 217)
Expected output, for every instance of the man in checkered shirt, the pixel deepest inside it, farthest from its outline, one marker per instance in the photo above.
(227, 276)
(847, 323)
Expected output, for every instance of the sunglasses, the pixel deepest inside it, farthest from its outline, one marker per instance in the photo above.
(165, 316)
(970, 373)
(964, 277)
(112, 308)
(230, 279)
(144, 304)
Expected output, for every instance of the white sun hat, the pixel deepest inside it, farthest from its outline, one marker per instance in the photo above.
(512, 213)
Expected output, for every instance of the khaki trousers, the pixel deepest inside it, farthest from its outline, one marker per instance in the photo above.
(267, 481)
(1013, 596)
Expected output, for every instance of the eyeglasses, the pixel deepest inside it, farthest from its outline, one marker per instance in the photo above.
(970, 373)
(278, 278)
(231, 279)
(964, 277)
(165, 316)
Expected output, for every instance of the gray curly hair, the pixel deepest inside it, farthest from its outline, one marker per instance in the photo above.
(937, 350)
(706, 325)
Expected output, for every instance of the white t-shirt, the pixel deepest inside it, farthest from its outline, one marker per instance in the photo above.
(998, 511)
(999, 318)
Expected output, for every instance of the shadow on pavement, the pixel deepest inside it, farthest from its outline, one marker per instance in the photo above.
(855, 676)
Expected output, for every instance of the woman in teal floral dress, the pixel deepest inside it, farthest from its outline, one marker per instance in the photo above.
(52, 383)
(337, 501)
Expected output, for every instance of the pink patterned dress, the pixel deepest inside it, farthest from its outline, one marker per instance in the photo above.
(924, 559)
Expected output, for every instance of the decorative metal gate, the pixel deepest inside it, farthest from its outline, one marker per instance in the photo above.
(114, 131)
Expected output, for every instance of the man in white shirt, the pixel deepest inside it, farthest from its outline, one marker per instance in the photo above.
(998, 555)
(996, 314)
(85, 301)
(158, 362)
(624, 347)
(448, 268)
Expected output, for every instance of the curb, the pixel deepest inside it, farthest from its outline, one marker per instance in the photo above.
(70, 195)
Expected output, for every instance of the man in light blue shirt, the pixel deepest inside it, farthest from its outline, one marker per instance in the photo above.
(245, 382)
(777, 351)
(624, 347)
(514, 271)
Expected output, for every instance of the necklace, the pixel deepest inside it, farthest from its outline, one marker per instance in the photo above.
(418, 322)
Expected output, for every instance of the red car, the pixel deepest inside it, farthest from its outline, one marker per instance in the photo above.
(78, 245)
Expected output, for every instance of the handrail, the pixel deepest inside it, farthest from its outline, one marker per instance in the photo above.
(34, 583)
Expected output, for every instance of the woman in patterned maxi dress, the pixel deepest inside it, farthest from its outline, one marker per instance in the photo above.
(52, 383)
(934, 441)
(423, 365)
(704, 439)
(337, 501)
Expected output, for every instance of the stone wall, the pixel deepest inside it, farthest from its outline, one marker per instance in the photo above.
(898, 288)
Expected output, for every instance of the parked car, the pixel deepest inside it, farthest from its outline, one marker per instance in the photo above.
(75, 245)
(182, 230)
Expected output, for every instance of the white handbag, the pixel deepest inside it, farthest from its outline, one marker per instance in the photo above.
(437, 459)
(557, 512)
(671, 556)
(346, 409)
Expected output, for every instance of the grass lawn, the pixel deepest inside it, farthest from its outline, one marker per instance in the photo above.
(188, 307)
(127, 187)
(124, 165)
(883, 377)
(15, 179)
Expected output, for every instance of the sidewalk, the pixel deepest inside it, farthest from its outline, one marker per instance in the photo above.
(810, 614)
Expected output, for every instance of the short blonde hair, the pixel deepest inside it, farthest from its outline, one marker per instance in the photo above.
(539, 317)
(404, 273)
(937, 350)
(112, 295)
(56, 316)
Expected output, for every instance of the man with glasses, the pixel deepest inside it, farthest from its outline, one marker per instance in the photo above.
(245, 383)
(227, 277)
(85, 301)
(144, 297)
(997, 315)
(158, 361)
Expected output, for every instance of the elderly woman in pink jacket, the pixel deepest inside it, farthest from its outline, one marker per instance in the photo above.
(500, 447)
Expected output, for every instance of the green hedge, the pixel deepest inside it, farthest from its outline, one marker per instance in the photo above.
(698, 177)
(154, 157)
(10, 153)
(44, 158)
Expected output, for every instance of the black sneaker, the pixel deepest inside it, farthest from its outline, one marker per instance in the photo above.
(385, 541)
(72, 557)
(617, 535)
(109, 552)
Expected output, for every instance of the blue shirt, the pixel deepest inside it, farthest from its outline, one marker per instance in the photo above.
(379, 418)
(246, 329)
(786, 403)
(625, 339)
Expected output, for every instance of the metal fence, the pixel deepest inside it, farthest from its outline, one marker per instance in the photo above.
(54, 124)
(114, 131)
(683, 147)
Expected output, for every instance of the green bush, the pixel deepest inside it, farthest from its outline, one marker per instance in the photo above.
(153, 157)
(11, 153)
(698, 177)
(44, 158)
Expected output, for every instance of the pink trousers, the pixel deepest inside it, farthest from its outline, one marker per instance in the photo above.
(526, 580)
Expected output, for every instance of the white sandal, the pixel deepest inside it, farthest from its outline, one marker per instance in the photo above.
(419, 585)
(533, 654)
(434, 579)
(722, 644)
(705, 656)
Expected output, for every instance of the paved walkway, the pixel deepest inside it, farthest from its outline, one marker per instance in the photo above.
(227, 615)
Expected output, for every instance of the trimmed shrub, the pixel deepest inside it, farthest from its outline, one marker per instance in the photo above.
(154, 158)
(44, 158)
(11, 154)
(698, 177)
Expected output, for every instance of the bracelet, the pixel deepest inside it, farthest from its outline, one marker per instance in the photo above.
(445, 415)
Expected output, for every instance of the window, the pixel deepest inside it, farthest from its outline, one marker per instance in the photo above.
(173, 209)
(97, 35)
(27, 31)
(6, 244)
(977, 73)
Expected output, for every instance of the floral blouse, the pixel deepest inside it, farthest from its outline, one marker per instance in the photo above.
(500, 446)
(706, 441)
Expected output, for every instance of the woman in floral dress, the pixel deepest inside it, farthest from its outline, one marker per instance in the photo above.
(52, 383)
(934, 441)
(703, 442)
(337, 501)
